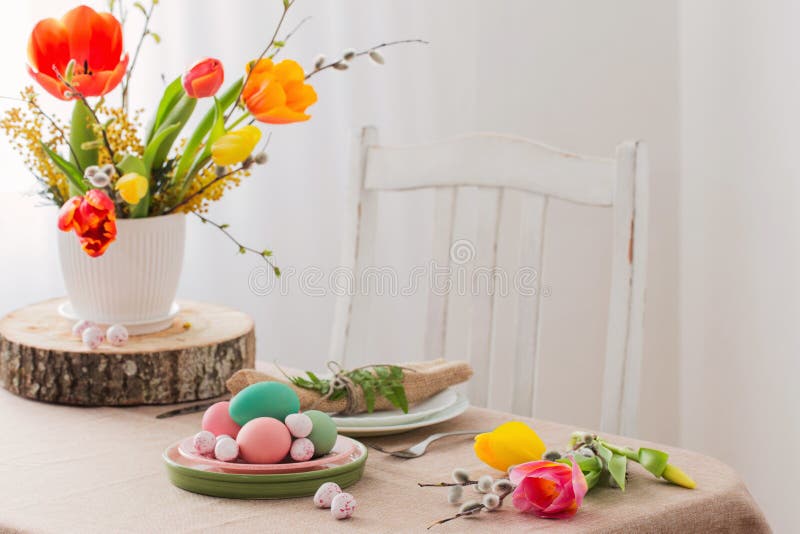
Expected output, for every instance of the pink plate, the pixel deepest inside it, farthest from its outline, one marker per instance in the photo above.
(343, 449)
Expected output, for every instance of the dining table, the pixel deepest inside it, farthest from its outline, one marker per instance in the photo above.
(85, 470)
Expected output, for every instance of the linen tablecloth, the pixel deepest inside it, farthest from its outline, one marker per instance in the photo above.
(68, 469)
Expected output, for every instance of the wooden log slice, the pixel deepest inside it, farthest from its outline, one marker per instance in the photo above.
(41, 359)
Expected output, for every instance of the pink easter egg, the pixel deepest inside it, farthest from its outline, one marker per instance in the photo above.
(226, 450)
(204, 442)
(117, 335)
(79, 327)
(325, 494)
(217, 420)
(302, 450)
(92, 337)
(264, 440)
(343, 506)
(299, 424)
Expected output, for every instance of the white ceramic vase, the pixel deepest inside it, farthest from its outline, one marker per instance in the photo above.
(134, 282)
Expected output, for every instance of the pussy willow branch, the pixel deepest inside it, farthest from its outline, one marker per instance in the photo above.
(145, 32)
(52, 121)
(472, 511)
(223, 228)
(363, 53)
(290, 34)
(286, 6)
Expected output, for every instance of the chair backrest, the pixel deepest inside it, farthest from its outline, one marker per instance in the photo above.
(500, 333)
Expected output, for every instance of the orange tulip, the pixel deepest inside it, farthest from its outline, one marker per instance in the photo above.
(93, 219)
(204, 78)
(93, 40)
(277, 94)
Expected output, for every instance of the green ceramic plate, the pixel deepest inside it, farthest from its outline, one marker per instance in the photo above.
(199, 478)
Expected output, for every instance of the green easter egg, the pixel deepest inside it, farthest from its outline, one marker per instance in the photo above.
(263, 399)
(323, 435)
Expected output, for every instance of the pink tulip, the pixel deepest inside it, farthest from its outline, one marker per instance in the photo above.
(204, 78)
(548, 489)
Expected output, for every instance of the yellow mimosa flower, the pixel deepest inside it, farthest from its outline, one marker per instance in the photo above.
(235, 146)
(509, 444)
(132, 187)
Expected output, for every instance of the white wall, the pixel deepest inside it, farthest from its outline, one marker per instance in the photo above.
(740, 276)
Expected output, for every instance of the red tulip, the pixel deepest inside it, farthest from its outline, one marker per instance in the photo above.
(204, 78)
(93, 40)
(548, 489)
(93, 219)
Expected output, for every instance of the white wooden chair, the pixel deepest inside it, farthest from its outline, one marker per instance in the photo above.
(497, 332)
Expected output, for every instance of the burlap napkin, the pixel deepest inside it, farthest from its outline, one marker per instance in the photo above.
(426, 380)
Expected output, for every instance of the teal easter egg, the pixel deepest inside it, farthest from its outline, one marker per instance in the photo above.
(323, 434)
(263, 399)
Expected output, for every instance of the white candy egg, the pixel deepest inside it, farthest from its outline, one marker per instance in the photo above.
(325, 494)
(299, 424)
(302, 450)
(92, 337)
(80, 326)
(204, 442)
(343, 506)
(117, 335)
(222, 436)
(226, 450)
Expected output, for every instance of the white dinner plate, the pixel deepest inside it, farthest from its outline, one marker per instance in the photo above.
(459, 407)
(427, 408)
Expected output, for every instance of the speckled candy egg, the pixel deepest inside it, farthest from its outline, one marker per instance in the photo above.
(325, 494)
(226, 450)
(299, 424)
(117, 335)
(218, 421)
(79, 327)
(204, 442)
(264, 440)
(324, 434)
(264, 399)
(343, 506)
(302, 450)
(92, 337)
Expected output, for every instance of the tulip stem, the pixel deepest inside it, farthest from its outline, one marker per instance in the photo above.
(237, 121)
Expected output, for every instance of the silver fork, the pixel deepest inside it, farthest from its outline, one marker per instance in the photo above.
(417, 450)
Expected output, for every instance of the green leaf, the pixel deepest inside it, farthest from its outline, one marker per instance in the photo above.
(81, 132)
(185, 170)
(278, 44)
(154, 146)
(369, 398)
(172, 94)
(77, 184)
(653, 460)
(140, 7)
(156, 37)
(604, 454)
(179, 114)
(402, 401)
(617, 467)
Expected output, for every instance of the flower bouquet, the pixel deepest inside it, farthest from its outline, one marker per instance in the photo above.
(116, 180)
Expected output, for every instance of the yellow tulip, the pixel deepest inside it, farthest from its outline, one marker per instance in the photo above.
(676, 475)
(509, 444)
(235, 146)
(132, 187)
